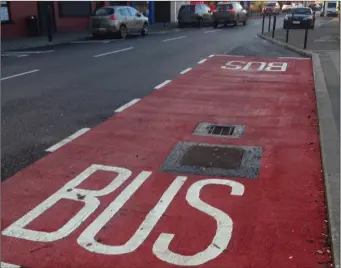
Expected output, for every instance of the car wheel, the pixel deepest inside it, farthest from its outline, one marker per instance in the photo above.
(235, 23)
(284, 27)
(181, 25)
(123, 32)
(215, 24)
(144, 29)
(312, 26)
(95, 36)
(245, 22)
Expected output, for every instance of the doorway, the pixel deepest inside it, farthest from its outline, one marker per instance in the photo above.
(44, 8)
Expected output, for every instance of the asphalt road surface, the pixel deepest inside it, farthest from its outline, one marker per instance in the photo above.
(53, 92)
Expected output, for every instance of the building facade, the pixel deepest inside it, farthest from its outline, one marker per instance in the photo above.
(73, 16)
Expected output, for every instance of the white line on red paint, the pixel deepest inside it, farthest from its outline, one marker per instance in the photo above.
(175, 38)
(113, 52)
(67, 140)
(202, 61)
(295, 58)
(21, 74)
(125, 106)
(210, 56)
(162, 84)
(8, 265)
(212, 31)
(226, 55)
(186, 70)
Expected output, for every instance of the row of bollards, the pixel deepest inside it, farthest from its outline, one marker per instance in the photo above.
(287, 29)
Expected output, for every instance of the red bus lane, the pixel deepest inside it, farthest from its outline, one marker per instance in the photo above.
(219, 168)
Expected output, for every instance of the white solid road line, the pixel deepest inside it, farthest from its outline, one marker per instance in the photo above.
(162, 84)
(8, 265)
(67, 140)
(16, 75)
(202, 61)
(212, 31)
(113, 52)
(175, 38)
(186, 70)
(295, 58)
(125, 106)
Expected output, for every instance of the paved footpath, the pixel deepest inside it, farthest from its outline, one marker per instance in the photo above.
(158, 185)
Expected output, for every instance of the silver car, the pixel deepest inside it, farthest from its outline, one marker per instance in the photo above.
(120, 20)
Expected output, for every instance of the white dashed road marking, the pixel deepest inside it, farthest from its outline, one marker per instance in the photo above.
(125, 106)
(162, 84)
(175, 38)
(202, 61)
(113, 52)
(212, 31)
(67, 140)
(21, 74)
(186, 70)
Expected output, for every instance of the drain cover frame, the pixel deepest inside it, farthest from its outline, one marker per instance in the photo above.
(207, 129)
(249, 166)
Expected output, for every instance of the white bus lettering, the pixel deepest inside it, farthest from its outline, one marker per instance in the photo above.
(231, 65)
(260, 67)
(87, 238)
(276, 67)
(221, 238)
(68, 191)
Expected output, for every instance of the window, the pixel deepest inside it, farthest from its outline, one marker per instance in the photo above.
(124, 12)
(331, 5)
(271, 4)
(131, 11)
(104, 12)
(302, 11)
(5, 12)
(74, 9)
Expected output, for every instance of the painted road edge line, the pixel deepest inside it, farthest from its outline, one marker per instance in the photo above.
(127, 105)
(8, 265)
(21, 74)
(29, 52)
(67, 140)
(330, 154)
(113, 52)
(175, 38)
(212, 31)
(162, 84)
(202, 61)
(185, 71)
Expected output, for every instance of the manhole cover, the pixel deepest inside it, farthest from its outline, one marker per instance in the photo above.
(209, 129)
(214, 160)
(213, 156)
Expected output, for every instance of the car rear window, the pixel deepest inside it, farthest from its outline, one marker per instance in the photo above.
(224, 7)
(301, 11)
(270, 4)
(104, 11)
(331, 5)
(190, 8)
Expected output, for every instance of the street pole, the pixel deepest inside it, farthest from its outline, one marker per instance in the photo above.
(287, 35)
(324, 9)
(274, 27)
(263, 23)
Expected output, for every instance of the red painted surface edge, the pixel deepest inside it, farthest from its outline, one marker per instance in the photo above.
(277, 222)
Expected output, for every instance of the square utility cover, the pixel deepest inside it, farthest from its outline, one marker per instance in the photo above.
(214, 160)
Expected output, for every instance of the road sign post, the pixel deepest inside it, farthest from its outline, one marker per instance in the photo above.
(274, 27)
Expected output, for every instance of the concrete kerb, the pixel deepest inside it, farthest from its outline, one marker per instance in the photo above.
(330, 148)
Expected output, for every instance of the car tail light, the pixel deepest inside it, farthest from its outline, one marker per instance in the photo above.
(112, 17)
(231, 10)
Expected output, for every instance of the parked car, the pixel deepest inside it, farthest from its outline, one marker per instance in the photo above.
(195, 14)
(299, 17)
(226, 13)
(315, 7)
(332, 9)
(287, 6)
(120, 20)
(271, 8)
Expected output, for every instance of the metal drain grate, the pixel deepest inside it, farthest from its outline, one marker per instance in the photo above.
(226, 131)
(221, 130)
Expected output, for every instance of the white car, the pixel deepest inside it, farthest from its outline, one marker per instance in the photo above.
(287, 8)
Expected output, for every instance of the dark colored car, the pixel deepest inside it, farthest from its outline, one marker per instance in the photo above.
(271, 9)
(300, 17)
(226, 13)
(196, 14)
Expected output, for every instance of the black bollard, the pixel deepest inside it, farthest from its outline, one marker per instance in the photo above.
(305, 38)
(263, 23)
(274, 27)
(287, 35)
(269, 23)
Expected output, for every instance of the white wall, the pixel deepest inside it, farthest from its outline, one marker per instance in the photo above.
(175, 6)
